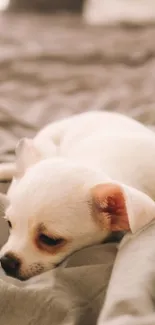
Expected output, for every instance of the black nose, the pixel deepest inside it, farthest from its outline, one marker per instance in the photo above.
(10, 264)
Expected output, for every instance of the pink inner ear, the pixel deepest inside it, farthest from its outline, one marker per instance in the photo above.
(111, 208)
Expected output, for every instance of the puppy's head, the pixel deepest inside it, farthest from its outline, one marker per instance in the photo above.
(57, 208)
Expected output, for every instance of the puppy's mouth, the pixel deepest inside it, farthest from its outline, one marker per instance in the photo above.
(16, 275)
(27, 276)
(34, 270)
(23, 275)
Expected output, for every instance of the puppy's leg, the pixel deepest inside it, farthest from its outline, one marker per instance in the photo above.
(54, 132)
(46, 142)
(57, 131)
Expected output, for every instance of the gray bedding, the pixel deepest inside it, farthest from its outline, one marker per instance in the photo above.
(52, 67)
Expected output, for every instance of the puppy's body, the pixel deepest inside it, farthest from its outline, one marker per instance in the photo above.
(65, 135)
(107, 141)
(121, 147)
(69, 188)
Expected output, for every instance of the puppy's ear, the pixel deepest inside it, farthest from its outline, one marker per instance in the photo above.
(26, 155)
(121, 208)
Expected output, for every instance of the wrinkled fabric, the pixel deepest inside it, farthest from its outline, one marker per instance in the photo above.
(131, 292)
(55, 66)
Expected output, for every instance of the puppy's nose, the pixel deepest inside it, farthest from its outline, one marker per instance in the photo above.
(10, 264)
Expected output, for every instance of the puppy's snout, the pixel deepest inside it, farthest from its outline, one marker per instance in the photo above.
(10, 264)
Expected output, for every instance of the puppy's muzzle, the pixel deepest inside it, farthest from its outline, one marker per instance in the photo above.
(10, 265)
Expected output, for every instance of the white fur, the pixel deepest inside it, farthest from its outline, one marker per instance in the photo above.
(56, 172)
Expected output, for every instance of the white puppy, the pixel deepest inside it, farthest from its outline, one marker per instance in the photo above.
(69, 192)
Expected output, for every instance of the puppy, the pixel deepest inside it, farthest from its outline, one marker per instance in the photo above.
(77, 181)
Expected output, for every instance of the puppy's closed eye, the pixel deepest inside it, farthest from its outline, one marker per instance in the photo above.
(49, 241)
(6, 218)
(9, 224)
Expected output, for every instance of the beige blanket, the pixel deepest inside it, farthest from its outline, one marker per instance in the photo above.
(52, 67)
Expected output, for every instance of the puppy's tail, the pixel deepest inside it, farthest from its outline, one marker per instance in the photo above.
(7, 171)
